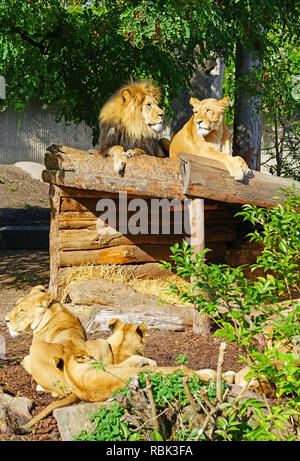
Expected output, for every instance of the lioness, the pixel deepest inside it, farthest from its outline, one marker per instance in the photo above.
(206, 134)
(54, 328)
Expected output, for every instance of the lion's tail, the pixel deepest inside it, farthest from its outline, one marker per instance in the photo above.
(48, 410)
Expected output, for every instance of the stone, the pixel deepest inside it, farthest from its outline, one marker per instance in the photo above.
(108, 299)
(73, 419)
(14, 411)
(206, 374)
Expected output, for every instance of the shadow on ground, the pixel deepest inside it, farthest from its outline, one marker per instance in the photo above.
(23, 269)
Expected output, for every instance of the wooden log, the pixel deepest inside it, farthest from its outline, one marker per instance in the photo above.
(85, 239)
(141, 186)
(165, 316)
(87, 236)
(77, 220)
(122, 254)
(149, 176)
(209, 179)
(64, 158)
(72, 192)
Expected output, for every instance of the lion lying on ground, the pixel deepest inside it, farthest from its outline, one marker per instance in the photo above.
(206, 134)
(90, 384)
(54, 328)
(130, 122)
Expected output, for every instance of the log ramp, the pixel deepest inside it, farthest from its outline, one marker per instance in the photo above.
(204, 189)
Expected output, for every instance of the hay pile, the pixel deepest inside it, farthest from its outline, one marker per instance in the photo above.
(159, 287)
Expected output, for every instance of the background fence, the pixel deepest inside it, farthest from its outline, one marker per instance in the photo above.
(26, 137)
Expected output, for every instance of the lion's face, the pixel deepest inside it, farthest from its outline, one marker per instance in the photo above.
(28, 311)
(132, 114)
(208, 114)
(152, 114)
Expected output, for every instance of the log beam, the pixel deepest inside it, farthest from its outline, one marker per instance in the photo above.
(147, 176)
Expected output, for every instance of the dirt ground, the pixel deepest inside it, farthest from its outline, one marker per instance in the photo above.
(24, 201)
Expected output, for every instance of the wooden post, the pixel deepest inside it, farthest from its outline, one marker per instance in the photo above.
(54, 239)
(197, 241)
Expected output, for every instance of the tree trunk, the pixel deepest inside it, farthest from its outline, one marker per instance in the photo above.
(206, 83)
(247, 113)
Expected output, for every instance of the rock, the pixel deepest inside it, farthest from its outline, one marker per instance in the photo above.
(33, 168)
(229, 377)
(21, 406)
(207, 374)
(108, 299)
(73, 419)
(14, 411)
(108, 292)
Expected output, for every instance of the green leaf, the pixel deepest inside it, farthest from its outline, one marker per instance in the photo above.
(222, 423)
(157, 437)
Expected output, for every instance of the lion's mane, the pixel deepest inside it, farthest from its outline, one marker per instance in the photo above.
(121, 123)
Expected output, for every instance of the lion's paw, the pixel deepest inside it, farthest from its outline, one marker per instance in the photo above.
(134, 153)
(119, 161)
(239, 169)
(246, 170)
(148, 363)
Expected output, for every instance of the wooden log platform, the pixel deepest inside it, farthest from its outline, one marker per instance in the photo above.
(79, 179)
(147, 176)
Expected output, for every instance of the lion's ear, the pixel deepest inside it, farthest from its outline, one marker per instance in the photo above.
(82, 357)
(38, 289)
(127, 95)
(141, 330)
(46, 300)
(224, 102)
(114, 324)
(194, 101)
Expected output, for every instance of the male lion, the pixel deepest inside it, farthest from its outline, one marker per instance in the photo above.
(206, 134)
(55, 328)
(130, 122)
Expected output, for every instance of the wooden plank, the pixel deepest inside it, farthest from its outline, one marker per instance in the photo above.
(54, 239)
(209, 179)
(92, 239)
(122, 254)
(201, 323)
(77, 220)
(87, 239)
(71, 192)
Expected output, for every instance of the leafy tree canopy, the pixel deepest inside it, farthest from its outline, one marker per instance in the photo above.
(75, 54)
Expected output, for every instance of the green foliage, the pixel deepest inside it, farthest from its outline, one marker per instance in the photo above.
(169, 387)
(249, 306)
(109, 426)
(277, 84)
(75, 55)
(182, 359)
